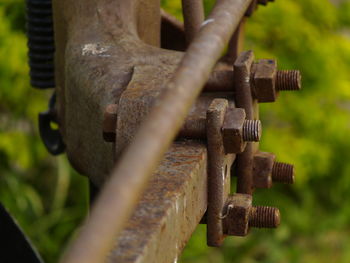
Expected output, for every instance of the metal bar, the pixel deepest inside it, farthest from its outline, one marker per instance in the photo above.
(121, 192)
(236, 43)
(169, 210)
(193, 13)
(219, 166)
(244, 99)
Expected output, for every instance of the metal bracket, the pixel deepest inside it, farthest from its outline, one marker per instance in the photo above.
(219, 166)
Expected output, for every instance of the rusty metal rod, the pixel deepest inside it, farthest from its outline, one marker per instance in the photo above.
(236, 43)
(193, 13)
(122, 191)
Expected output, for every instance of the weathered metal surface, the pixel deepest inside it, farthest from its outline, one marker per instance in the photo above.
(267, 80)
(266, 171)
(220, 81)
(237, 214)
(193, 14)
(195, 123)
(232, 130)
(169, 210)
(262, 169)
(116, 202)
(265, 84)
(263, 77)
(236, 43)
(101, 47)
(244, 99)
(240, 215)
(219, 167)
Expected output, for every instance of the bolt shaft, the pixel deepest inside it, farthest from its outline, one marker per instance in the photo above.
(264, 217)
(283, 173)
(288, 80)
(251, 130)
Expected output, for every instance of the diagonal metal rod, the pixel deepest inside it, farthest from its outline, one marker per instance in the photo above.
(121, 192)
(193, 13)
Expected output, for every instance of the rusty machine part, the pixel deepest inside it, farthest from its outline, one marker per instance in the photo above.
(174, 123)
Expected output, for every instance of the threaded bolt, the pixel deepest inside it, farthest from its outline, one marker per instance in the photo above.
(283, 173)
(264, 217)
(288, 80)
(251, 130)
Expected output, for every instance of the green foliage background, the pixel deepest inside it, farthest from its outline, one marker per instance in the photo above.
(310, 128)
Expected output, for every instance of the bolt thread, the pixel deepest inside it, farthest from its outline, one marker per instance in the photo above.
(288, 80)
(283, 173)
(251, 130)
(264, 217)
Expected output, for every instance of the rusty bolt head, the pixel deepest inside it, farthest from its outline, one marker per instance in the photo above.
(263, 80)
(240, 215)
(110, 122)
(267, 81)
(262, 169)
(236, 130)
(232, 130)
(237, 214)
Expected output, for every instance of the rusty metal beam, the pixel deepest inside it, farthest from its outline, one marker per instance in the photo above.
(121, 192)
(169, 210)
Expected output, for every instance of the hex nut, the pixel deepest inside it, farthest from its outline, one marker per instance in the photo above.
(232, 130)
(238, 211)
(263, 80)
(263, 163)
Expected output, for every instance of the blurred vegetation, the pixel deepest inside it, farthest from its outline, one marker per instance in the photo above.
(40, 191)
(307, 128)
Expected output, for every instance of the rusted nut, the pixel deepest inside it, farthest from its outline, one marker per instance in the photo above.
(283, 173)
(109, 124)
(267, 80)
(288, 80)
(237, 215)
(263, 80)
(236, 130)
(263, 163)
(264, 217)
(251, 130)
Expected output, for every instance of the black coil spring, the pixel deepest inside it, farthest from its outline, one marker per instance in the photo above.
(41, 43)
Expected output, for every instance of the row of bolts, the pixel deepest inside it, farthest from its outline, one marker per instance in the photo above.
(259, 216)
(263, 216)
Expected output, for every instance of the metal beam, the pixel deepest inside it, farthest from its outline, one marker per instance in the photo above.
(169, 210)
